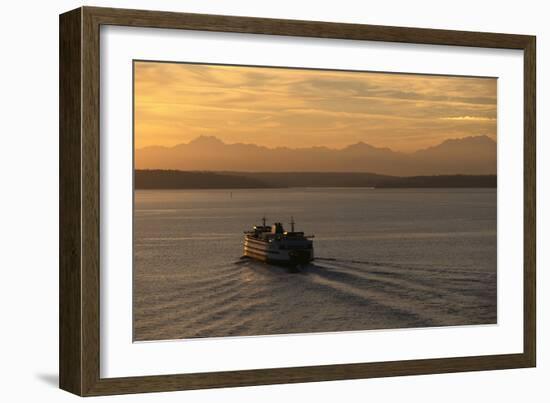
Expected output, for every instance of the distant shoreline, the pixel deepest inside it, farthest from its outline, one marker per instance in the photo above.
(174, 179)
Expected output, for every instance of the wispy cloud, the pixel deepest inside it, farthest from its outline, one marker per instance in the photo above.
(474, 118)
(297, 107)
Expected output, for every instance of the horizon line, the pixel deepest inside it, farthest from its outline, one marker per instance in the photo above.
(213, 137)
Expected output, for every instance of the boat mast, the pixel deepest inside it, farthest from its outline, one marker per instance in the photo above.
(292, 223)
(263, 220)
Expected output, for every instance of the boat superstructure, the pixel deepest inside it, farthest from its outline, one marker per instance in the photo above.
(273, 244)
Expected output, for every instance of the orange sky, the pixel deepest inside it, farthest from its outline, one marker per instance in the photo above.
(175, 103)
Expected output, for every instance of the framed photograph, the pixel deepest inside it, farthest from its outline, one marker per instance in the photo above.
(249, 201)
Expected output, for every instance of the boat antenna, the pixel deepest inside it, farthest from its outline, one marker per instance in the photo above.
(263, 220)
(292, 223)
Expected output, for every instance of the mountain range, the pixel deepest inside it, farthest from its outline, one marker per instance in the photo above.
(474, 155)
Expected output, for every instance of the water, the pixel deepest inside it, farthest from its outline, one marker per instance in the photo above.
(386, 259)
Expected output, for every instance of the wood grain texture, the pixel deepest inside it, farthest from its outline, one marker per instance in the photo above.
(317, 29)
(79, 201)
(530, 200)
(305, 374)
(90, 202)
(70, 313)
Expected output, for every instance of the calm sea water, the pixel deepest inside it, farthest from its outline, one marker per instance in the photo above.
(390, 258)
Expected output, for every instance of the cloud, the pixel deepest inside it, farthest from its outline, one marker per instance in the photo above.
(475, 118)
(298, 107)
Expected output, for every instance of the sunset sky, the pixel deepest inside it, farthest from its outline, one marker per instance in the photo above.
(275, 107)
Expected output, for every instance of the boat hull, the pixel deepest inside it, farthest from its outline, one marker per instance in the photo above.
(271, 253)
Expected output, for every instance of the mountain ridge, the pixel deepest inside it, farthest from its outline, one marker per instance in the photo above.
(467, 155)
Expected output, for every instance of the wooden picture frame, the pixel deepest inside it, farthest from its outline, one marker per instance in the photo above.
(79, 348)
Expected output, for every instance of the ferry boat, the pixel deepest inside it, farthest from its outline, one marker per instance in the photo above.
(272, 244)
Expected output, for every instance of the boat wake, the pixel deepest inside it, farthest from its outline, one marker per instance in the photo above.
(250, 297)
(365, 262)
(423, 260)
(242, 260)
